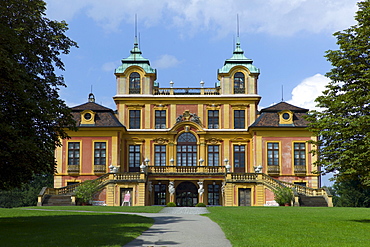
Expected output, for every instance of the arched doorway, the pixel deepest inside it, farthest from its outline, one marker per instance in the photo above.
(186, 194)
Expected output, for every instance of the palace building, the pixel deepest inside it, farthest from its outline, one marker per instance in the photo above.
(188, 145)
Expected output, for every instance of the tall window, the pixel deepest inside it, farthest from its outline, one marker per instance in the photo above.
(299, 154)
(213, 194)
(239, 83)
(134, 119)
(239, 119)
(73, 153)
(159, 194)
(134, 158)
(273, 154)
(160, 155)
(186, 150)
(239, 158)
(213, 155)
(160, 119)
(134, 83)
(213, 119)
(100, 153)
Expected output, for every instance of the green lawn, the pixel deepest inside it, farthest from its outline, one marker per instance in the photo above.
(293, 226)
(21, 227)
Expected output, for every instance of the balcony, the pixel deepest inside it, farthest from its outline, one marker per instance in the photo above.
(273, 170)
(187, 169)
(73, 169)
(187, 91)
(100, 169)
(300, 170)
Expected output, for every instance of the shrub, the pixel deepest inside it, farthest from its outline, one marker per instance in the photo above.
(86, 190)
(201, 204)
(171, 204)
(283, 195)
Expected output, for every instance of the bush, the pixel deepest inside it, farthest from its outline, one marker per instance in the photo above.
(283, 195)
(171, 204)
(201, 204)
(86, 190)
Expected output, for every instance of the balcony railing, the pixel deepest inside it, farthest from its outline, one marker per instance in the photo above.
(100, 169)
(273, 170)
(298, 169)
(186, 169)
(186, 91)
(73, 168)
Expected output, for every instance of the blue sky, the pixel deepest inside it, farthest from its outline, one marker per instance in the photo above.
(188, 40)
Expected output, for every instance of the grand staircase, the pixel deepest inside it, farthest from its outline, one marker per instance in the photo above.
(57, 200)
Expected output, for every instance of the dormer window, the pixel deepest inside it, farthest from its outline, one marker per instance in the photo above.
(285, 118)
(134, 83)
(239, 79)
(87, 117)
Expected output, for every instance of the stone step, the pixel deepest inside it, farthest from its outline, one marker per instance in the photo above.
(312, 201)
(57, 200)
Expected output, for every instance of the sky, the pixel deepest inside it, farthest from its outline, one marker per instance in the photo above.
(187, 41)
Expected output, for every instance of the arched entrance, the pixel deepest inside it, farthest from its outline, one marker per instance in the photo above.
(186, 194)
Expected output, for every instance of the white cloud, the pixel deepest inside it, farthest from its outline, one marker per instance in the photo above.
(110, 66)
(275, 17)
(166, 61)
(308, 90)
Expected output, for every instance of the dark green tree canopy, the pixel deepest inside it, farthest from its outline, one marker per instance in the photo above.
(31, 112)
(343, 126)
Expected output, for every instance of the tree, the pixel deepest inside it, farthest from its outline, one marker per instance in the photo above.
(32, 115)
(343, 126)
(349, 192)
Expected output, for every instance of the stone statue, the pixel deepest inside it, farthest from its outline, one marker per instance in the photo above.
(201, 189)
(179, 119)
(195, 118)
(171, 188)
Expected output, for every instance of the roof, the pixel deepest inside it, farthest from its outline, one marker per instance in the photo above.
(270, 118)
(238, 59)
(135, 59)
(104, 117)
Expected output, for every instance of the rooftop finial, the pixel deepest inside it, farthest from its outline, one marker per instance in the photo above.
(135, 43)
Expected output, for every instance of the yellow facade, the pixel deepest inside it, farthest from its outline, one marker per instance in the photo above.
(189, 145)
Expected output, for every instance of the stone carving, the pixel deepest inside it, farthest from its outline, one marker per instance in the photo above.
(213, 140)
(223, 187)
(201, 189)
(150, 186)
(171, 188)
(161, 140)
(187, 116)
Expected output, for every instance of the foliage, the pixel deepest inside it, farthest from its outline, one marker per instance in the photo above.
(171, 204)
(293, 226)
(343, 125)
(42, 228)
(132, 209)
(86, 190)
(349, 192)
(283, 195)
(31, 113)
(201, 204)
(27, 194)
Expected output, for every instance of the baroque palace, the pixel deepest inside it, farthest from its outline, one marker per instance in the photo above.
(187, 145)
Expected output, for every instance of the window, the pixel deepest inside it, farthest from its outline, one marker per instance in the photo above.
(160, 155)
(239, 119)
(213, 119)
(73, 153)
(213, 155)
(239, 83)
(239, 158)
(273, 154)
(160, 119)
(134, 83)
(213, 194)
(159, 194)
(187, 150)
(134, 119)
(100, 153)
(134, 158)
(299, 154)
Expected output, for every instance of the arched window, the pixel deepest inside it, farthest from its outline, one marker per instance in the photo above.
(239, 83)
(187, 150)
(134, 83)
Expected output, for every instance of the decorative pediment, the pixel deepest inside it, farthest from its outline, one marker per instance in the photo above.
(161, 140)
(187, 116)
(213, 140)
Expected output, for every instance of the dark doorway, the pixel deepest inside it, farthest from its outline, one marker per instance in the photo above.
(244, 197)
(126, 196)
(186, 194)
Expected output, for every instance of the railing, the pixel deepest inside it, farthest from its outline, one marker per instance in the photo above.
(100, 168)
(186, 91)
(299, 169)
(73, 168)
(186, 169)
(131, 176)
(273, 169)
(247, 177)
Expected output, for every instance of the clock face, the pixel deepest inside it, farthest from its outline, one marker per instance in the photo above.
(87, 116)
(286, 116)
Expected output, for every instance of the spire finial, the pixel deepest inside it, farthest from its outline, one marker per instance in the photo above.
(135, 42)
(282, 93)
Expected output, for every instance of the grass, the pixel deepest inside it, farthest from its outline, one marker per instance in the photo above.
(293, 226)
(21, 227)
(135, 209)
